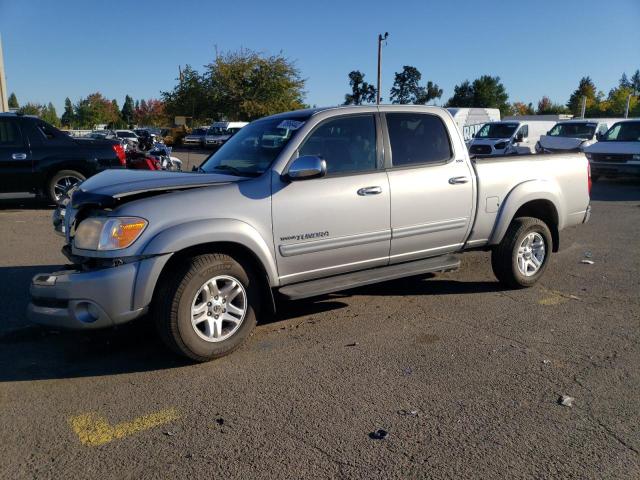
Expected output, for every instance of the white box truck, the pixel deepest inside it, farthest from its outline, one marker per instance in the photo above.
(470, 120)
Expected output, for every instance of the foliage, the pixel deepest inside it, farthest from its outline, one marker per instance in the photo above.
(68, 117)
(361, 91)
(521, 108)
(406, 88)
(13, 101)
(484, 92)
(547, 107)
(150, 113)
(245, 85)
(586, 88)
(95, 110)
(127, 110)
(45, 112)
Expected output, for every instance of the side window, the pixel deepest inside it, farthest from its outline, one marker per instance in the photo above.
(602, 128)
(9, 133)
(418, 138)
(44, 134)
(347, 144)
(525, 131)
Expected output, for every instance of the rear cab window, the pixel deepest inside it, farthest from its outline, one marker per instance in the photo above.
(9, 133)
(418, 139)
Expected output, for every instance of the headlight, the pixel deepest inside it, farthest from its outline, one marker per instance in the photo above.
(108, 233)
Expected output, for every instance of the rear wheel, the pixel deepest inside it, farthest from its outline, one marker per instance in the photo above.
(523, 254)
(61, 182)
(206, 308)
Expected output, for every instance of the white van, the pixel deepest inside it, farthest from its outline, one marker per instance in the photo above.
(574, 135)
(508, 138)
(617, 153)
(470, 120)
(220, 132)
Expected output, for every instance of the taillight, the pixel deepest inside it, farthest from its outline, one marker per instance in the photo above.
(122, 157)
(589, 176)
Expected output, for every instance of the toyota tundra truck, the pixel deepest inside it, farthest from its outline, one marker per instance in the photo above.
(297, 205)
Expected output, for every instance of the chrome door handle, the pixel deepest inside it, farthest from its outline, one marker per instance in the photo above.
(457, 180)
(369, 191)
(19, 156)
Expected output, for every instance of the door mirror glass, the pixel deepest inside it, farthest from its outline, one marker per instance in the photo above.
(306, 167)
(519, 137)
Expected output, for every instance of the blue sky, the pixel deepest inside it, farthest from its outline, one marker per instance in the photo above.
(72, 48)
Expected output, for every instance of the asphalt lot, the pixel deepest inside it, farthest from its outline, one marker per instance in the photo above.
(464, 376)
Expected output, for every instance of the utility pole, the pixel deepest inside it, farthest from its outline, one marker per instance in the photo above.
(584, 106)
(381, 38)
(4, 99)
(626, 110)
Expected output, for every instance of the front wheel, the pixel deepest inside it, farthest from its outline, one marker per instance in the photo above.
(206, 307)
(522, 256)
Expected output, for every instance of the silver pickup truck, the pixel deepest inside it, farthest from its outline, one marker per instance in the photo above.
(296, 205)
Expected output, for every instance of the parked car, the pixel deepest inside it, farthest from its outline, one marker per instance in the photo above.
(128, 135)
(508, 138)
(573, 135)
(344, 197)
(36, 157)
(195, 138)
(617, 154)
(220, 132)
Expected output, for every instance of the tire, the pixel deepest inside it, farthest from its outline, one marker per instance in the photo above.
(52, 190)
(505, 258)
(177, 294)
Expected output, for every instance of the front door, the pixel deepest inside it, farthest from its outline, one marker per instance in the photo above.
(431, 187)
(15, 158)
(339, 222)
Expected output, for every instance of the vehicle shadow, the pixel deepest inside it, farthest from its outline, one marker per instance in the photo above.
(31, 352)
(616, 190)
(31, 202)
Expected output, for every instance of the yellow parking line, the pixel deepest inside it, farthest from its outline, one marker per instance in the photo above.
(93, 429)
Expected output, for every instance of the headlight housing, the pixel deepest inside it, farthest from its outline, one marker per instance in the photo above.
(108, 233)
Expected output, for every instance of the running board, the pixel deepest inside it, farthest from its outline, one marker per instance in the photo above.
(312, 288)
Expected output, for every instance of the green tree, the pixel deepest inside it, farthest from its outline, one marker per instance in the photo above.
(245, 85)
(95, 110)
(13, 101)
(50, 115)
(624, 81)
(127, 110)
(30, 108)
(484, 92)
(586, 88)
(190, 97)
(406, 88)
(68, 116)
(462, 95)
(635, 82)
(616, 102)
(547, 107)
(361, 91)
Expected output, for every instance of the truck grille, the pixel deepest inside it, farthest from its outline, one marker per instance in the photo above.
(480, 149)
(611, 157)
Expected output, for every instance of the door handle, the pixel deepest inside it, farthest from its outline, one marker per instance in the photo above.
(457, 180)
(19, 156)
(369, 191)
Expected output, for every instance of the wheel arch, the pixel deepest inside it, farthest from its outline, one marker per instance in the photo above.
(538, 199)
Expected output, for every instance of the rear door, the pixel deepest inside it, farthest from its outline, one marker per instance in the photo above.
(431, 186)
(15, 158)
(340, 222)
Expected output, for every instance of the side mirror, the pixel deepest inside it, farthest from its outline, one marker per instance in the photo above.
(306, 167)
(599, 136)
(473, 135)
(519, 137)
(194, 169)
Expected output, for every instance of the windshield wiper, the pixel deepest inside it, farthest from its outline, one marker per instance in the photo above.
(233, 170)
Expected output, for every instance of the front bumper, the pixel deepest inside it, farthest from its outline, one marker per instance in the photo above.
(100, 298)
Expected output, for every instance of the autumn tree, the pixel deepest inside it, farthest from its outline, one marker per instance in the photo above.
(361, 91)
(547, 107)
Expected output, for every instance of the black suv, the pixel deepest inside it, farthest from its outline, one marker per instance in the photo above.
(36, 157)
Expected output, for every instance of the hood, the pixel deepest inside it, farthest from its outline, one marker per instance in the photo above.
(614, 147)
(560, 143)
(107, 188)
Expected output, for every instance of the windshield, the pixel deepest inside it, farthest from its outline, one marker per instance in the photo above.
(217, 131)
(623, 132)
(199, 131)
(126, 134)
(497, 130)
(251, 151)
(584, 131)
